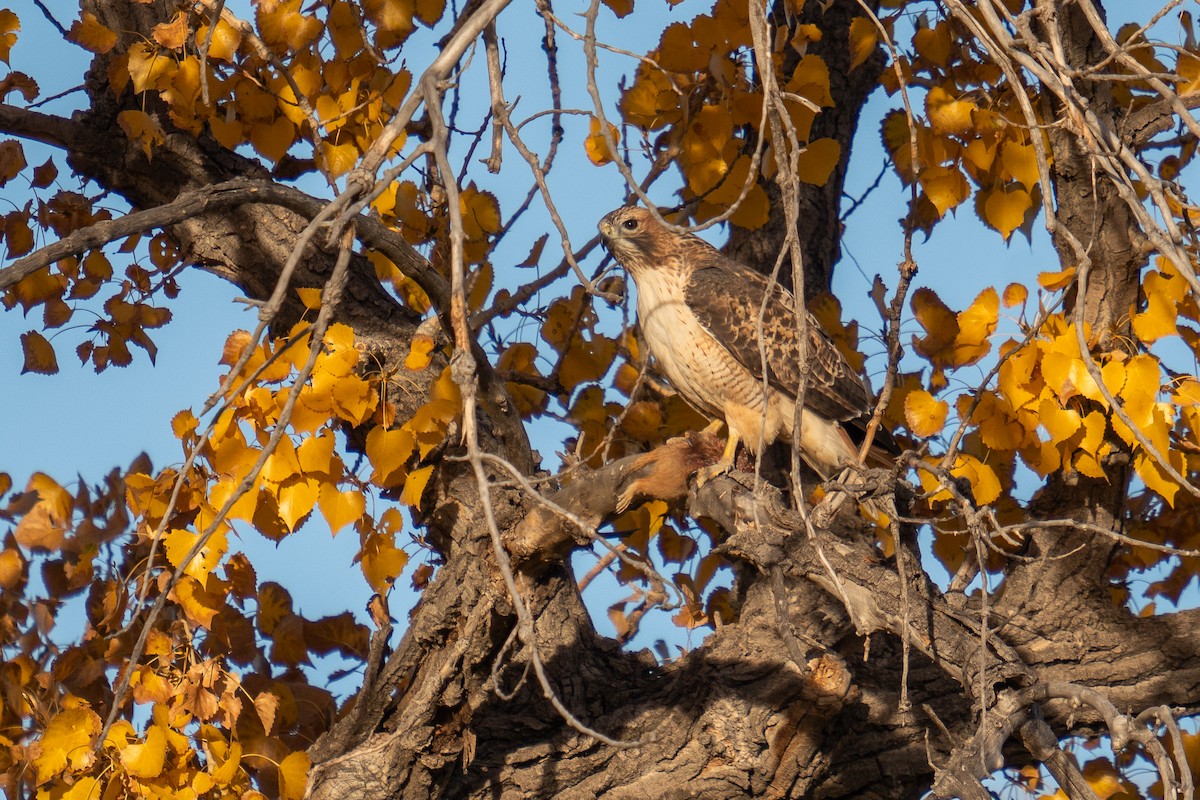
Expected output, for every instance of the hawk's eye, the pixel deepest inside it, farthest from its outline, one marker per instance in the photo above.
(629, 224)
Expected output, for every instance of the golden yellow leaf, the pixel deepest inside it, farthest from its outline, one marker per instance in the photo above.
(392, 18)
(9, 25)
(1155, 477)
(1186, 392)
(1160, 317)
(228, 133)
(481, 213)
(199, 605)
(804, 33)
(677, 51)
(297, 498)
(1104, 778)
(177, 544)
(293, 776)
(446, 391)
(382, 562)
(388, 451)
(225, 41)
(948, 114)
(985, 484)
(520, 358)
(754, 209)
(150, 687)
(1005, 210)
(143, 129)
(340, 508)
(274, 603)
(998, 425)
(1092, 447)
(939, 322)
(895, 134)
(1064, 370)
(184, 424)
(933, 44)
(12, 568)
(560, 320)
(1053, 281)
(310, 297)
(354, 399)
(924, 414)
(284, 27)
(864, 38)
(272, 140)
(414, 486)
(173, 34)
(1138, 395)
(345, 28)
(146, 760)
(39, 354)
(158, 643)
(87, 32)
(816, 163)
(66, 743)
(975, 327)
(1020, 161)
(339, 158)
(148, 68)
(649, 103)
(85, 788)
(643, 420)
(946, 187)
(281, 464)
(586, 360)
(1014, 295)
(595, 145)
(315, 455)
(978, 157)
(811, 79)
(419, 353)
(1061, 423)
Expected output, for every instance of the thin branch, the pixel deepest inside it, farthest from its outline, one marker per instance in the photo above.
(50, 18)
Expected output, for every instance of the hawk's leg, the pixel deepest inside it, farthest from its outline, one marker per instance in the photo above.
(725, 465)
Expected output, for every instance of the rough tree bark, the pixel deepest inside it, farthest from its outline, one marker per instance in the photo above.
(799, 698)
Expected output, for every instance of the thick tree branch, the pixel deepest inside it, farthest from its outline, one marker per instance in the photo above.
(235, 192)
(45, 128)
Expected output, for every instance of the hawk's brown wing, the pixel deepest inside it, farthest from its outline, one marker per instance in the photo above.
(727, 299)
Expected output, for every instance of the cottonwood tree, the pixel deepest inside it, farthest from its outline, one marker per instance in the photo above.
(362, 189)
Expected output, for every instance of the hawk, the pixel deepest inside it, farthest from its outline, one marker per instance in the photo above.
(699, 312)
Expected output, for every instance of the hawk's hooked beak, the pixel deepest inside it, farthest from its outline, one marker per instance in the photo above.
(607, 232)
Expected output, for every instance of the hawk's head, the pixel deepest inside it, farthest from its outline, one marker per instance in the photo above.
(635, 238)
